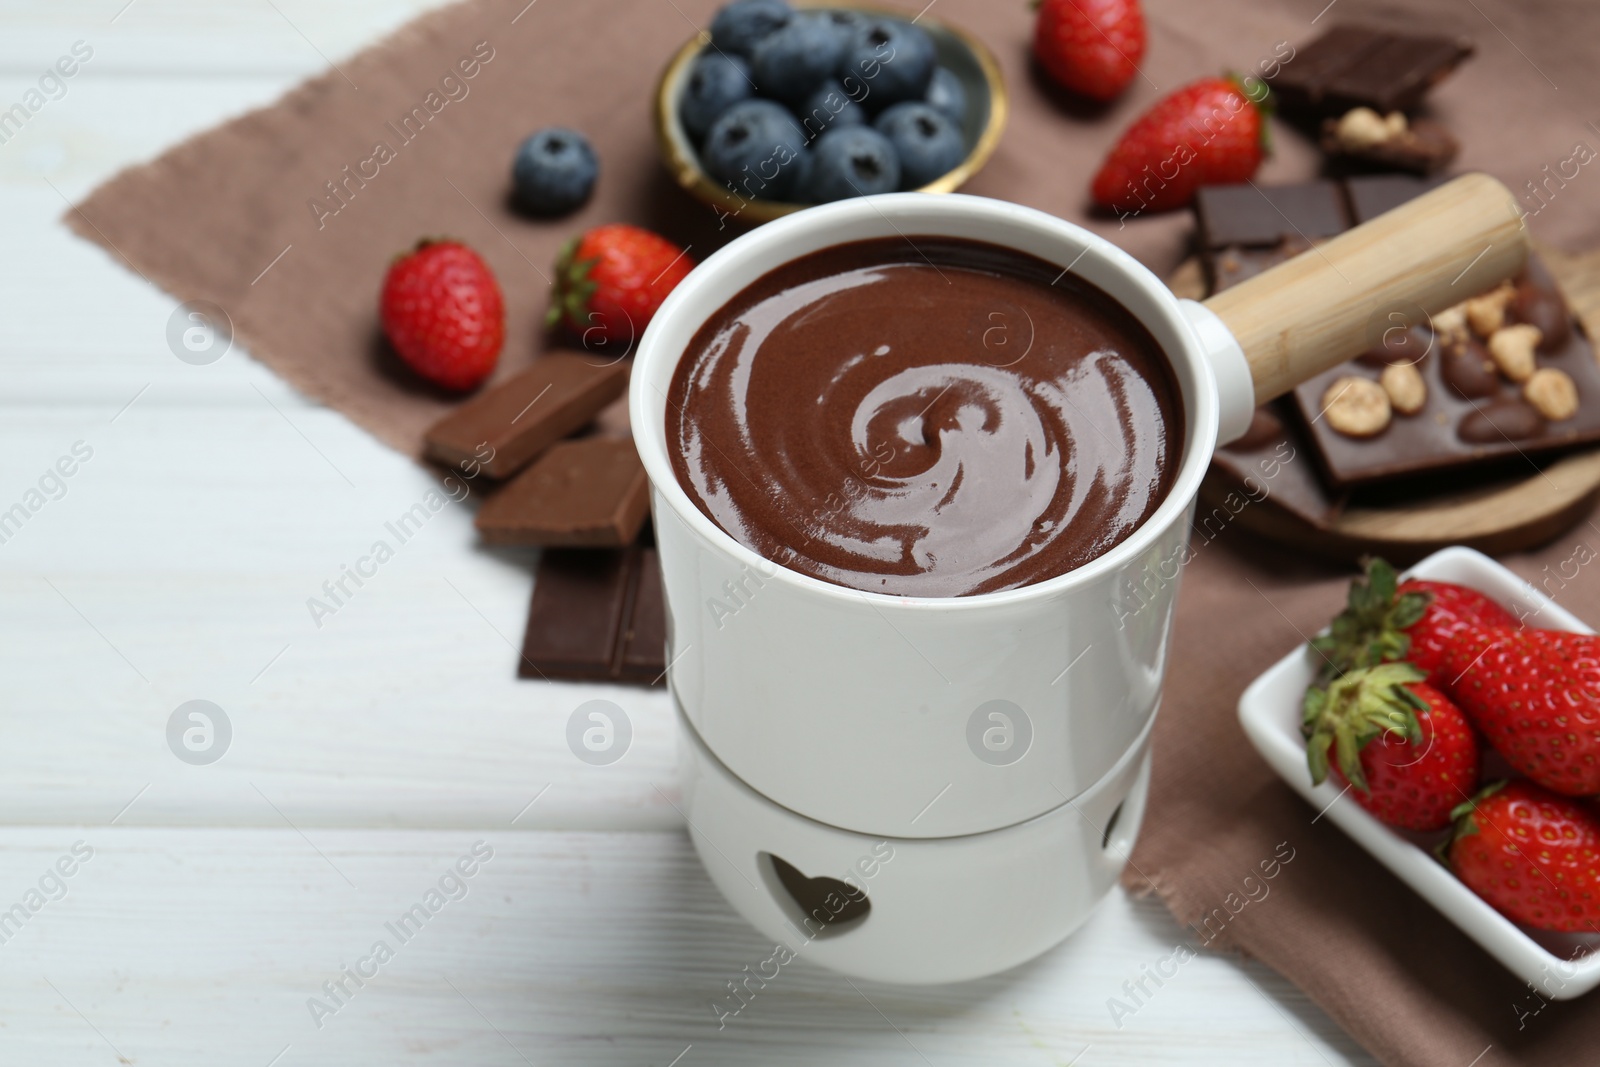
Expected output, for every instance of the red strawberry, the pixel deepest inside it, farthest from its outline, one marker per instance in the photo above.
(1533, 855)
(1535, 694)
(1092, 47)
(1406, 749)
(1415, 620)
(610, 281)
(1452, 610)
(1207, 133)
(441, 309)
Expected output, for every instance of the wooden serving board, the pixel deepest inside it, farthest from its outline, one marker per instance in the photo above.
(1503, 515)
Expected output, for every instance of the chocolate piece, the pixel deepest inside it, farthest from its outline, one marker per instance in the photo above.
(589, 492)
(1423, 147)
(1266, 426)
(1253, 215)
(597, 615)
(1397, 346)
(927, 422)
(644, 649)
(1245, 230)
(522, 416)
(1472, 413)
(1458, 379)
(1371, 195)
(1541, 306)
(580, 600)
(1359, 66)
(1228, 267)
(1457, 384)
(1468, 371)
(1499, 421)
(1273, 462)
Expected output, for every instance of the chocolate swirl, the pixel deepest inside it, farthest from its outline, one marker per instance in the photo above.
(925, 418)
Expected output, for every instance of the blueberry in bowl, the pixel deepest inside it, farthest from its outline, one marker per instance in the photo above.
(790, 62)
(752, 118)
(831, 104)
(927, 143)
(851, 161)
(895, 58)
(716, 82)
(737, 27)
(948, 94)
(753, 148)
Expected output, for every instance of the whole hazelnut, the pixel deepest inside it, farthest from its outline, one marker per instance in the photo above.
(1512, 349)
(1361, 127)
(1450, 325)
(1356, 407)
(1552, 393)
(1486, 312)
(1407, 391)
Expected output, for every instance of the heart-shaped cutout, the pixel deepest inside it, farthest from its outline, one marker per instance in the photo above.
(819, 906)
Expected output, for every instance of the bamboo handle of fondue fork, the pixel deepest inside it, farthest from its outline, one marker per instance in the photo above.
(1337, 300)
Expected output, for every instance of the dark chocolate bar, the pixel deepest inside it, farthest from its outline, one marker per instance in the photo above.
(1472, 412)
(597, 615)
(1469, 414)
(644, 645)
(1246, 229)
(589, 492)
(521, 417)
(580, 603)
(1361, 66)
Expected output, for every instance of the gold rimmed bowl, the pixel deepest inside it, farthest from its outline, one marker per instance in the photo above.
(964, 55)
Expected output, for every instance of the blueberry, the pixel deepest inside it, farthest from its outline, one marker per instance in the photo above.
(894, 60)
(928, 143)
(554, 171)
(947, 95)
(716, 82)
(852, 161)
(754, 149)
(829, 105)
(789, 62)
(845, 24)
(738, 26)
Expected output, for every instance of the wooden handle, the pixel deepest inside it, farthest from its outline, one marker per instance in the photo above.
(1336, 301)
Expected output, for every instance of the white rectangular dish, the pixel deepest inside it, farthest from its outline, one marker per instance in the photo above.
(1558, 966)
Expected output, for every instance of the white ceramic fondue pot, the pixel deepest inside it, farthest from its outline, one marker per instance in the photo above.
(931, 789)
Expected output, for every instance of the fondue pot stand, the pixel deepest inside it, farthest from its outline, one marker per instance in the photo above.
(920, 789)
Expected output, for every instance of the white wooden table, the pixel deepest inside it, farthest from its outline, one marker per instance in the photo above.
(367, 756)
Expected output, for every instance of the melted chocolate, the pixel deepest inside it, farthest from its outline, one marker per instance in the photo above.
(925, 417)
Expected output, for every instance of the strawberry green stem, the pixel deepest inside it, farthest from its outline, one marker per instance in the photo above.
(1355, 710)
(1372, 627)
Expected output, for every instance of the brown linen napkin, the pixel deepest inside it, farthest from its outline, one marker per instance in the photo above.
(227, 217)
